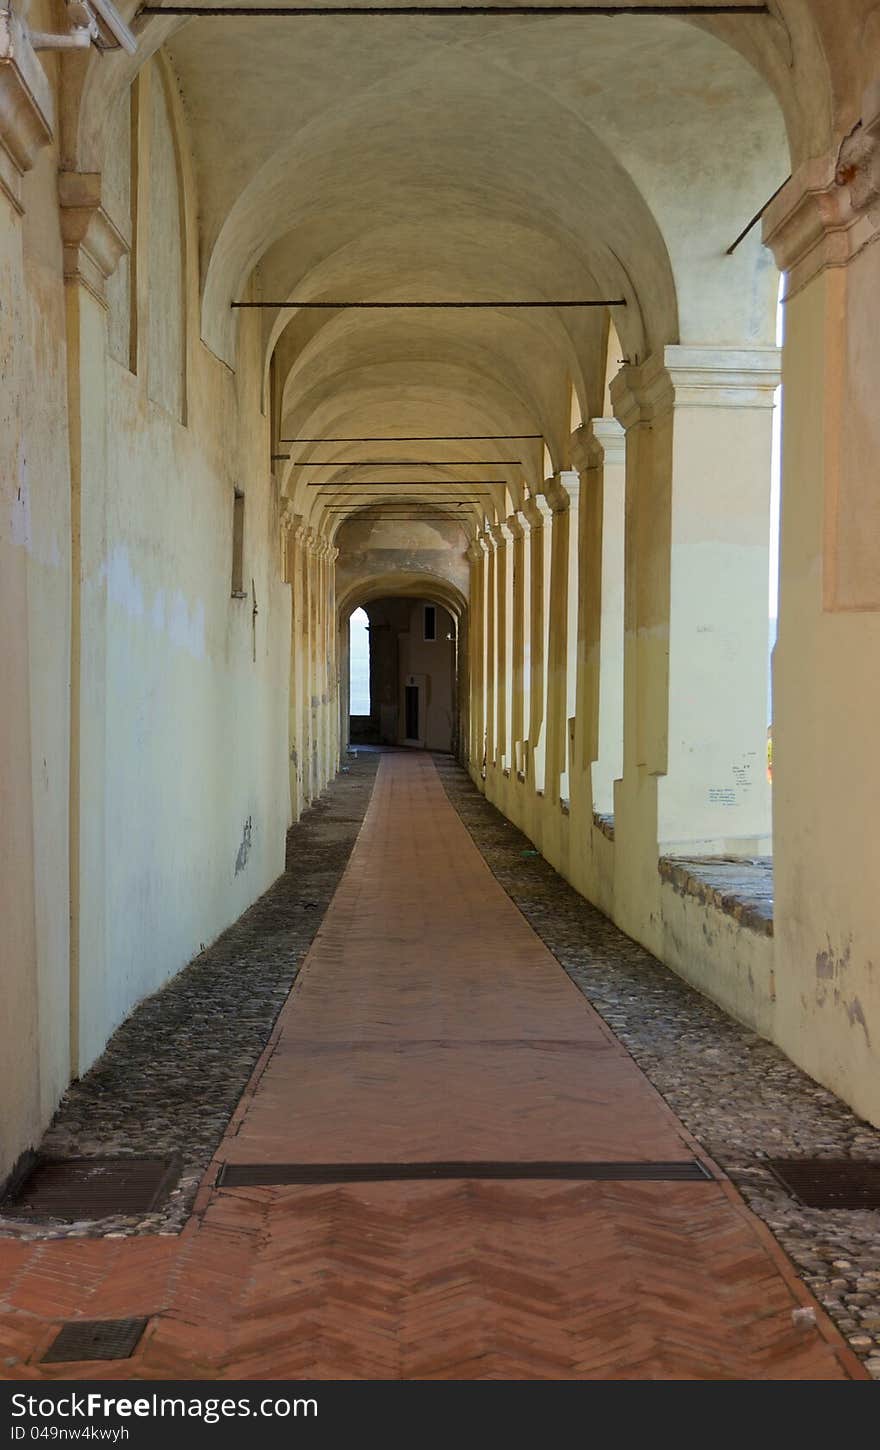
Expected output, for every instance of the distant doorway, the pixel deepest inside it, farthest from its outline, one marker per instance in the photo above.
(412, 712)
(407, 694)
(362, 725)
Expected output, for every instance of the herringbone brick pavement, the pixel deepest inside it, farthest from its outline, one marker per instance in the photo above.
(429, 1022)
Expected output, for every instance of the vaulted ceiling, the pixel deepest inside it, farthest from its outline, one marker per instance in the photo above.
(481, 158)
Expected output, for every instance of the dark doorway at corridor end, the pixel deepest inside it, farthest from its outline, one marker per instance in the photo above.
(403, 688)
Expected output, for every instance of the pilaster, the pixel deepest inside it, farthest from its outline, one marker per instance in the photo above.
(93, 244)
(502, 539)
(518, 528)
(698, 423)
(602, 553)
(92, 248)
(476, 556)
(563, 495)
(27, 118)
(537, 513)
(823, 229)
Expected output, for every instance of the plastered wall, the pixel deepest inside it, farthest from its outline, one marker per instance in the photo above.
(176, 754)
(34, 658)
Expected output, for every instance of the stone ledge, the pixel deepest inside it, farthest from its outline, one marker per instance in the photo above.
(740, 887)
(604, 824)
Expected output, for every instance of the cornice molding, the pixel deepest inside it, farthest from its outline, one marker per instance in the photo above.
(830, 209)
(696, 376)
(93, 244)
(27, 112)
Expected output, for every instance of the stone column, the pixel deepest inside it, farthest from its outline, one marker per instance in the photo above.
(26, 121)
(503, 541)
(491, 648)
(323, 662)
(698, 462)
(600, 704)
(308, 639)
(562, 494)
(319, 646)
(518, 529)
(824, 229)
(92, 248)
(333, 664)
(537, 514)
(476, 554)
(295, 576)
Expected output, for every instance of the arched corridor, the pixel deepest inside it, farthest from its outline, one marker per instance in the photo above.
(460, 331)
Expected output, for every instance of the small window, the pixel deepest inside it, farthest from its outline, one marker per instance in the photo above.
(238, 545)
(430, 622)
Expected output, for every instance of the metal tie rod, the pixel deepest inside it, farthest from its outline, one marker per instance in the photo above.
(407, 462)
(434, 306)
(426, 438)
(411, 483)
(305, 11)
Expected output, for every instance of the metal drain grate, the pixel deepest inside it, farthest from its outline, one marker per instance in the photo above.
(829, 1182)
(276, 1175)
(90, 1188)
(95, 1339)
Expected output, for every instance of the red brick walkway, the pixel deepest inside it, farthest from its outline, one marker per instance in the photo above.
(429, 1022)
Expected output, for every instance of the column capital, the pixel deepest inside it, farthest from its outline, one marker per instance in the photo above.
(27, 114)
(696, 376)
(598, 441)
(517, 525)
(476, 550)
(610, 439)
(536, 510)
(93, 244)
(563, 491)
(583, 449)
(500, 534)
(830, 209)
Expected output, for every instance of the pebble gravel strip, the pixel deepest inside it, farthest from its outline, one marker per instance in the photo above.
(173, 1073)
(738, 1095)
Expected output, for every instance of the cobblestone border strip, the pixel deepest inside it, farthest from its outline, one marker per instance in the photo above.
(742, 1099)
(172, 1075)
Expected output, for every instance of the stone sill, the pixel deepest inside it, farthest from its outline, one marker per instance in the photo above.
(604, 824)
(741, 888)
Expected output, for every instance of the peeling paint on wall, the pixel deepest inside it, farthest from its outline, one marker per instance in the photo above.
(182, 624)
(831, 972)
